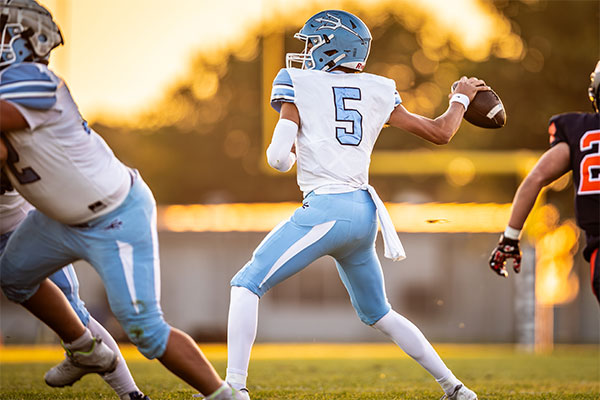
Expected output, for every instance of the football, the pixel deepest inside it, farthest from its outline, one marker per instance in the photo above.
(485, 110)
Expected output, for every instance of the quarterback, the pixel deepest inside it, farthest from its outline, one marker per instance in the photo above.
(574, 146)
(88, 205)
(330, 117)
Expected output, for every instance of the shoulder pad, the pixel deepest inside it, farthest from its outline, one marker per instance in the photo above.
(28, 85)
(283, 89)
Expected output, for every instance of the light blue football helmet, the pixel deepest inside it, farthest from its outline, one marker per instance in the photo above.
(332, 38)
(27, 32)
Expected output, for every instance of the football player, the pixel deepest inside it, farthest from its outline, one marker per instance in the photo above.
(330, 117)
(574, 146)
(88, 205)
(13, 209)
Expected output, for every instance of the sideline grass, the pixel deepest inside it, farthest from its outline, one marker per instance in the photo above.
(334, 371)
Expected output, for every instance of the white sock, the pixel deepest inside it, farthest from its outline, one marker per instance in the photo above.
(410, 339)
(241, 333)
(120, 380)
(83, 342)
(448, 383)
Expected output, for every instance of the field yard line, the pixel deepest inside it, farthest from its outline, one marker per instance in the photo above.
(295, 351)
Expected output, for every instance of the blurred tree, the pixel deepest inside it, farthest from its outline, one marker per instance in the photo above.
(203, 142)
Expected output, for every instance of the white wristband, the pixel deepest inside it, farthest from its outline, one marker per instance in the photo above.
(460, 98)
(512, 233)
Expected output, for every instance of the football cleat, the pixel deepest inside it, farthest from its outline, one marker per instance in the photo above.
(245, 394)
(99, 359)
(460, 392)
(227, 393)
(135, 396)
(27, 32)
(332, 38)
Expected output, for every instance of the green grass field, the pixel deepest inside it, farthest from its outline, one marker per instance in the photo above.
(334, 371)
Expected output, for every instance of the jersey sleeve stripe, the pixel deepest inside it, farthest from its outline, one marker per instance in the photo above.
(27, 85)
(283, 78)
(20, 95)
(285, 92)
(35, 100)
(397, 99)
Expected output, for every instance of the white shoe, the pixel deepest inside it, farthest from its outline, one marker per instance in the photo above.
(100, 359)
(135, 396)
(227, 393)
(461, 392)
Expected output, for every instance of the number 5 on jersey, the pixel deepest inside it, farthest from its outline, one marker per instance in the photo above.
(345, 114)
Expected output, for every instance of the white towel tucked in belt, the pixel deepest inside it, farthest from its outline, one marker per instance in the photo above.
(391, 242)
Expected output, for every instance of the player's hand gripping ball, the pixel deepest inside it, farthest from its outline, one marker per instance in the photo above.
(485, 110)
(507, 249)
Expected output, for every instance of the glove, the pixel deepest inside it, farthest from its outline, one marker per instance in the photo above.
(507, 249)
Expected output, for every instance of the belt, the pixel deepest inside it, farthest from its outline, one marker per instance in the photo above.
(99, 204)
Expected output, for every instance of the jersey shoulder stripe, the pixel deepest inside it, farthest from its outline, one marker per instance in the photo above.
(397, 99)
(283, 89)
(28, 85)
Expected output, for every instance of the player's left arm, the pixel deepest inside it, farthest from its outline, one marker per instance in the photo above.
(11, 118)
(441, 129)
(280, 152)
(553, 164)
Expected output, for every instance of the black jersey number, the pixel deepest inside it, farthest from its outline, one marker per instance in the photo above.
(590, 164)
(25, 175)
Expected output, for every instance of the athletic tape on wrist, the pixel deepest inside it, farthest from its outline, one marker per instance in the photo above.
(460, 98)
(512, 233)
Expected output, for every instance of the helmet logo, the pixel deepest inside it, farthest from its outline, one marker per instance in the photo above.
(333, 22)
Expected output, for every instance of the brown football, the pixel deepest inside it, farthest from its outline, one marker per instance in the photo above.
(485, 110)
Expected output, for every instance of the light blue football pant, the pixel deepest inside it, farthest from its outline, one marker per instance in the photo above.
(123, 248)
(340, 225)
(67, 282)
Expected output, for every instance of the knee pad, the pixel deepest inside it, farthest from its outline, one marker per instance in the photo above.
(149, 334)
(13, 289)
(241, 279)
(371, 316)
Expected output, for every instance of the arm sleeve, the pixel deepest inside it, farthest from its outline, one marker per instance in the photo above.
(279, 155)
(31, 90)
(283, 90)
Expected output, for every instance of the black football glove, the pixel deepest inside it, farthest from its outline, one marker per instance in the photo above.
(507, 249)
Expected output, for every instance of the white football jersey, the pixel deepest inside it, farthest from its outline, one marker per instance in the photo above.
(13, 209)
(58, 164)
(341, 116)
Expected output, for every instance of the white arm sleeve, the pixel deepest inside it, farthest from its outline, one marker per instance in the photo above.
(279, 155)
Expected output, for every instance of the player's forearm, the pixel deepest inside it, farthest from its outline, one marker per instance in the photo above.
(524, 200)
(279, 155)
